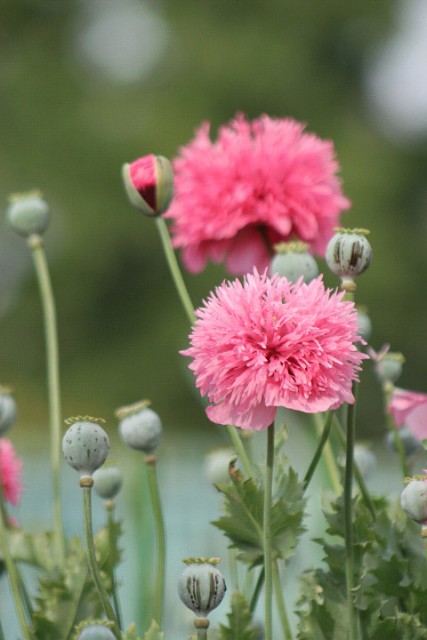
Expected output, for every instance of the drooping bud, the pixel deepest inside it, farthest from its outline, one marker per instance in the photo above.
(149, 184)
(201, 585)
(108, 482)
(349, 254)
(28, 213)
(292, 260)
(7, 410)
(139, 426)
(85, 444)
(414, 500)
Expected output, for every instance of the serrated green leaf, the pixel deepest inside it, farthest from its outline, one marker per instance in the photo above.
(240, 625)
(35, 549)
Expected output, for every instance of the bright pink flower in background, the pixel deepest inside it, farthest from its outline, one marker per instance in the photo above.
(268, 343)
(10, 472)
(410, 408)
(259, 183)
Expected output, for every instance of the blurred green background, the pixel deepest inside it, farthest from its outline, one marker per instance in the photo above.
(88, 85)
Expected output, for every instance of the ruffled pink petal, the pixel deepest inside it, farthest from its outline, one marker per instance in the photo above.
(247, 248)
(256, 419)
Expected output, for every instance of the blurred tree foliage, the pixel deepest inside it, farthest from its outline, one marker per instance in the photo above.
(67, 132)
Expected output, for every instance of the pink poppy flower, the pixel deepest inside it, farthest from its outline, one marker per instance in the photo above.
(10, 472)
(410, 408)
(260, 183)
(268, 343)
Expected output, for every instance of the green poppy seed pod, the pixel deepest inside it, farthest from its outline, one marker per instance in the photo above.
(149, 184)
(96, 632)
(292, 260)
(414, 500)
(411, 444)
(389, 367)
(139, 426)
(201, 585)
(108, 482)
(349, 254)
(85, 444)
(28, 214)
(7, 410)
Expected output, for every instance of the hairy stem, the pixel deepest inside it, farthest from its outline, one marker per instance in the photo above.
(111, 538)
(329, 457)
(320, 447)
(348, 521)
(160, 538)
(268, 588)
(280, 601)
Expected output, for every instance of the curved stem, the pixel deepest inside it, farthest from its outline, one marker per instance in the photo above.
(318, 453)
(174, 269)
(161, 540)
(281, 607)
(240, 450)
(257, 591)
(331, 463)
(93, 565)
(391, 425)
(267, 534)
(13, 580)
(35, 243)
(111, 537)
(348, 520)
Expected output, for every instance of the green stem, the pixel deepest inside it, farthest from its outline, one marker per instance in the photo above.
(359, 478)
(2, 637)
(281, 607)
(174, 269)
(257, 591)
(35, 243)
(13, 580)
(320, 447)
(331, 463)
(202, 626)
(113, 550)
(240, 450)
(160, 538)
(391, 425)
(268, 588)
(93, 565)
(348, 521)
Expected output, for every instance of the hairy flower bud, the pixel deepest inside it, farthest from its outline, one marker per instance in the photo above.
(85, 444)
(201, 585)
(139, 427)
(108, 482)
(348, 254)
(7, 410)
(292, 260)
(414, 500)
(28, 213)
(149, 184)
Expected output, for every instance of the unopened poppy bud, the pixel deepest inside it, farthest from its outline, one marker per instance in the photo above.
(85, 444)
(7, 410)
(139, 426)
(28, 213)
(410, 443)
(201, 585)
(149, 184)
(389, 366)
(292, 260)
(108, 482)
(414, 500)
(96, 632)
(349, 254)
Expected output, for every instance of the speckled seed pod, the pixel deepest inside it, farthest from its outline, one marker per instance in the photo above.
(149, 184)
(348, 254)
(201, 585)
(139, 426)
(108, 482)
(7, 411)
(28, 214)
(414, 500)
(292, 261)
(85, 444)
(96, 632)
